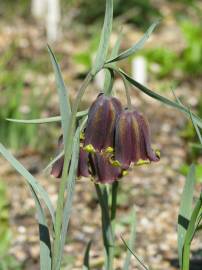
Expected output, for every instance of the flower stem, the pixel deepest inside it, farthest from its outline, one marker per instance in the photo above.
(113, 68)
(107, 232)
(127, 92)
(68, 150)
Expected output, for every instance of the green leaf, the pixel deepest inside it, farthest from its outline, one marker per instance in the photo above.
(114, 53)
(161, 98)
(65, 109)
(134, 255)
(44, 120)
(45, 243)
(38, 189)
(70, 192)
(184, 169)
(36, 121)
(132, 241)
(136, 47)
(54, 160)
(185, 210)
(105, 38)
(86, 264)
(192, 228)
(196, 127)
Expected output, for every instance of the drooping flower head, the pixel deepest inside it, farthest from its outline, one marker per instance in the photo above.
(112, 140)
(100, 128)
(133, 139)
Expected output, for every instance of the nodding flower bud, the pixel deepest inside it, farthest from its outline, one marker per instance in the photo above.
(100, 127)
(101, 169)
(133, 140)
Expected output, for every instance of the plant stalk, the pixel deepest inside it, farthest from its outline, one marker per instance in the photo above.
(68, 150)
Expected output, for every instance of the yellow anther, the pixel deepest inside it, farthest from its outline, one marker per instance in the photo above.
(158, 153)
(115, 163)
(82, 137)
(109, 150)
(142, 162)
(89, 148)
(124, 172)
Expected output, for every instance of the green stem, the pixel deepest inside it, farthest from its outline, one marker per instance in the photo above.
(106, 227)
(109, 84)
(189, 234)
(61, 195)
(127, 92)
(115, 186)
(112, 68)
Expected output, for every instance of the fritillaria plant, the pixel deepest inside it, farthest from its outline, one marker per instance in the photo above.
(102, 143)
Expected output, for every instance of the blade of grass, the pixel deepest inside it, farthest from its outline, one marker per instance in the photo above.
(135, 256)
(135, 48)
(44, 120)
(29, 179)
(54, 160)
(114, 53)
(45, 243)
(185, 210)
(86, 263)
(189, 234)
(65, 109)
(160, 98)
(196, 127)
(105, 38)
(131, 242)
(70, 193)
(36, 121)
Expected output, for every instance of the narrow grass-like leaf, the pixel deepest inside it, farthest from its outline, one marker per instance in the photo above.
(105, 38)
(36, 121)
(196, 127)
(135, 256)
(54, 160)
(190, 233)
(131, 241)
(136, 47)
(160, 98)
(86, 263)
(44, 120)
(70, 193)
(114, 53)
(45, 243)
(185, 210)
(29, 179)
(65, 109)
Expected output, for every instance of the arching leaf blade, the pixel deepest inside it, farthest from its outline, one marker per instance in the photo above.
(105, 38)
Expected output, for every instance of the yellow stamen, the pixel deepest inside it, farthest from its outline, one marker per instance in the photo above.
(158, 153)
(142, 162)
(89, 148)
(82, 137)
(124, 172)
(109, 150)
(115, 163)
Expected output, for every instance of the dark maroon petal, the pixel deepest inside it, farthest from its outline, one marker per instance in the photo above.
(83, 164)
(123, 139)
(146, 135)
(102, 170)
(137, 140)
(117, 105)
(57, 168)
(100, 126)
